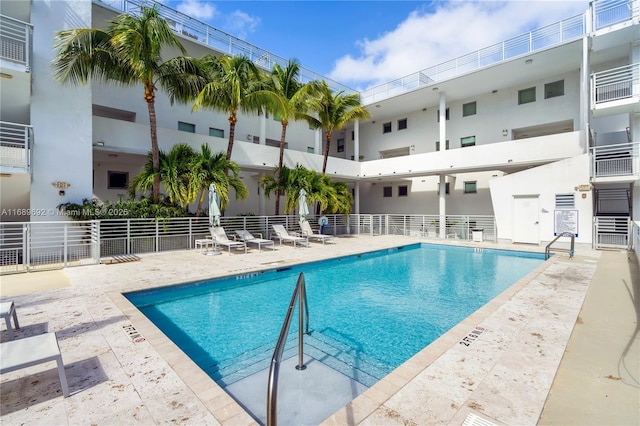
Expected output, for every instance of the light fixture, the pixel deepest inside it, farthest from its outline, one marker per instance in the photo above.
(113, 155)
(528, 61)
(494, 91)
(378, 106)
(424, 109)
(505, 132)
(100, 143)
(435, 89)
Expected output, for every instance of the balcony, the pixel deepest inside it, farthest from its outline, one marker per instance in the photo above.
(616, 91)
(16, 141)
(615, 163)
(15, 43)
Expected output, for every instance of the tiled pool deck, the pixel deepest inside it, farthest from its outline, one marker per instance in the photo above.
(505, 376)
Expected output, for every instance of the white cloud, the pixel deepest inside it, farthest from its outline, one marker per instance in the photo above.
(199, 9)
(241, 24)
(429, 37)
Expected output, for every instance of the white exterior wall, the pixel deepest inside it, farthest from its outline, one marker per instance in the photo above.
(561, 177)
(60, 116)
(495, 113)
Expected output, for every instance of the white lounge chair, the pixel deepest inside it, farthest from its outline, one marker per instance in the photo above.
(23, 353)
(306, 230)
(248, 238)
(220, 238)
(282, 235)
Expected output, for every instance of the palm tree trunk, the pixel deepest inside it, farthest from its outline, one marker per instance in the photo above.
(149, 96)
(200, 199)
(280, 163)
(326, 153)
(232, 133)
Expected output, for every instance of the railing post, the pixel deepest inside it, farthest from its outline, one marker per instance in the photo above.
(128, 236)
(157, 242)
(65, 244)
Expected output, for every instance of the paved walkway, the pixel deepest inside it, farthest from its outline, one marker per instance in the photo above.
(505, 377)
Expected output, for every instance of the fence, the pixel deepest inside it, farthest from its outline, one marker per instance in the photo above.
(31, 246)
(612, 232)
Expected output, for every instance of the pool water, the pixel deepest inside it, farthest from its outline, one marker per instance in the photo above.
(368, 313)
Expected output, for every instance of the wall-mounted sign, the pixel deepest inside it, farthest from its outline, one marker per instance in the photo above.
(60, 185)
(586, 187)
(565, 221)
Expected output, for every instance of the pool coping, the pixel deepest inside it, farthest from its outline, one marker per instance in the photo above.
(228, 412)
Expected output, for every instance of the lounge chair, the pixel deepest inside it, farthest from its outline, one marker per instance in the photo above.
(248, 238)
(282, 235)
(33, 350)
(306, 230)
(220, 238)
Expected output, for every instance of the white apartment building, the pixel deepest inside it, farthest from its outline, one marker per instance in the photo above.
(540, 131)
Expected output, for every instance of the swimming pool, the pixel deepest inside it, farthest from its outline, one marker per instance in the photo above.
(368, 313)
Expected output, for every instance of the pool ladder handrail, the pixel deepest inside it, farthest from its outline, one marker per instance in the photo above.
(299, 293)
(547, 249)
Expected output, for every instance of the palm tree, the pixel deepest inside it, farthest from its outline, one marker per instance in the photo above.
(284, 96)
(174, 173)
(208, 168)
(231, 81)
(334, 111)
(128, 52)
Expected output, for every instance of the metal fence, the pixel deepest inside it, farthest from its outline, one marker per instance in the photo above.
(15, 40)
(612, 232)
(32, 246)
(615, 160)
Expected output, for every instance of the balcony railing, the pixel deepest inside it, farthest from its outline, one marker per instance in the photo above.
(610, 12)
(217, 39)
(15, 145)
(615, 160)
(615, 84)
(15, 41)
(541, 38)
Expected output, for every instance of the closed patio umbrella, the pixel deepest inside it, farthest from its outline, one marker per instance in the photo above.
(303, 208)
(214, 206)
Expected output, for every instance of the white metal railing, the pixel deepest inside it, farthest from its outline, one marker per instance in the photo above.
(635, 231)
(26, 246)
(15, 41)
(615, 160)
(610, 12)
(206, 34)
(612, 232)
(541, 38)
(32, 246)
(615, 84)
(15, 145)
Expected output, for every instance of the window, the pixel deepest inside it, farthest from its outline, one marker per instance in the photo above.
(551, 90)
(186, 127)
(446, 188)
(469, 109)
(403, 191)
(446, 113)
(117, 180)
(386, 127)
(386, 191)
(402, 124)
(219, 133)
(438, 145)
(526, 95)
(340, 145)
(467, 141)
(565, 201)
(470, 187)
(310, 149)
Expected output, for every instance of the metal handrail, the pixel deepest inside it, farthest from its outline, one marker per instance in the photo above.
(299, 293)
(547, 249)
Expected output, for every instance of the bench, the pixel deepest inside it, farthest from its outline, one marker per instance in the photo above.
(8, 310)
(29, 351)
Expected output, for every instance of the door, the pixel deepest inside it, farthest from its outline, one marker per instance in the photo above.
(526, 219)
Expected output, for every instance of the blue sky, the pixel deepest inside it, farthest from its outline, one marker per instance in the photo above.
(362, 43)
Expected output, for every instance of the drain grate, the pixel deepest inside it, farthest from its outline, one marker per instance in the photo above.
(474, 420)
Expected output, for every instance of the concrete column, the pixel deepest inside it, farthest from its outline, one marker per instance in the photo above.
(442, 204)
(62, 154)
(443, 122)
(356, 198)
(263, 127)
(261, 198)
(356, 140)
(585, 83)
(317, 146)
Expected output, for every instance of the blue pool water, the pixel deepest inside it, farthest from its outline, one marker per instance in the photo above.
(368, 313)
